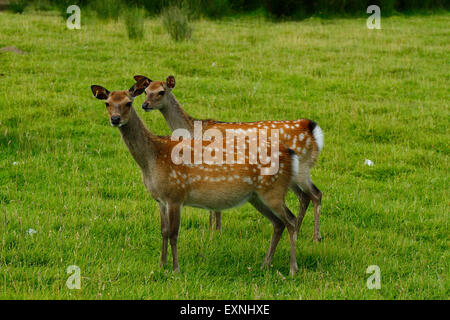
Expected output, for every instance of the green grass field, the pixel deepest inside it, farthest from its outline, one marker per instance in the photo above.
(381, 95)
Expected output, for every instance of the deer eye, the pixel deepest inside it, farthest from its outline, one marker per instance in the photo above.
(161, 93)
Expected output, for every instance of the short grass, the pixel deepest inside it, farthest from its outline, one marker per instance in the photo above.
(381, 95)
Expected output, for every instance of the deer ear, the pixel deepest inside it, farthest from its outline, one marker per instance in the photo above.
(139, 77)
(139, 87)
(170, 82)
(99, 92)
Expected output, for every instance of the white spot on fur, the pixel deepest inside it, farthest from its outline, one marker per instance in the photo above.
(247, 180)
(308, 141)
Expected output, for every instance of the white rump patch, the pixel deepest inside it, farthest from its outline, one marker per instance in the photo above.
(318, 136)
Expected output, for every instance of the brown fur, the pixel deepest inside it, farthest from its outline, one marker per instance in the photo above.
(213, 187)
(294, 134)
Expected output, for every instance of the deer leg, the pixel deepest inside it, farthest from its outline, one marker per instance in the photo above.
(211, 220)
(218, 217)
(174, 226)
(164, 233)
(304, 200)
(278, 228)
(218, 221)
(316, 196)
(303, 180)
(277, 206)
(317, 201)
(293, 232)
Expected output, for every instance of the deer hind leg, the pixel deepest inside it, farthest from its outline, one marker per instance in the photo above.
(278, 228)
(211, 219)
(293, 232)
(304, 200)
(218, 217)
(303, 180)
(279, 209)
(317, 201)
(164, 232)
(218, 221)
(174, 227)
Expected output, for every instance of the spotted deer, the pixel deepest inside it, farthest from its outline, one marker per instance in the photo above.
(303, 136)
(210, 186)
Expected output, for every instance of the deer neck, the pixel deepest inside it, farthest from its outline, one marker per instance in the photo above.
(139, 140)
(176, 117)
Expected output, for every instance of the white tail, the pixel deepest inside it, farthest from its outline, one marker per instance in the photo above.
(318, 137)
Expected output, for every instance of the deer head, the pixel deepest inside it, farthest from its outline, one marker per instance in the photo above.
(156, 92)
(118, 103)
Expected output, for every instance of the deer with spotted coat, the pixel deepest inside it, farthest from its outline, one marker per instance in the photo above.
(210, 186)
(303, 136)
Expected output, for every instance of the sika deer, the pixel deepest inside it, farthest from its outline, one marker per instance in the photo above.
(209, 186)
(303, 136)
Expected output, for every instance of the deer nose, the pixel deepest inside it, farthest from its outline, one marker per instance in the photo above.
(115, 119)
(145, 105)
